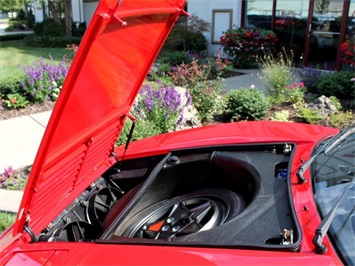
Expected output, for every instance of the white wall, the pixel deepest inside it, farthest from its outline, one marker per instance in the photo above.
(203, 9)
(78, 10)
(89, 9)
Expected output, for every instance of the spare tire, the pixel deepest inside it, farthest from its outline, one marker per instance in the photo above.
(186, 214)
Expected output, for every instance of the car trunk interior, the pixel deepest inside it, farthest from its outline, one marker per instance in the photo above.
(257, 174)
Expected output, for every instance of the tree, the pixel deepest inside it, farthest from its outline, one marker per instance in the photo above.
(321, 6)
(10, 5)
(54, 7)
(68, 11)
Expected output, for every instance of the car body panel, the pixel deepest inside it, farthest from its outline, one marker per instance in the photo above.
(117, 51)
(93, 254)
(305, 137)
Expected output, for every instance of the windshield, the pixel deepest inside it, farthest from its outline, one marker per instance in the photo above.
(331, 172)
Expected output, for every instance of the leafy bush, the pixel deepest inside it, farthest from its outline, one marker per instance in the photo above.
(187, 35)
(176, 58)
(311, 75)
(336, 102)
(15, 25)
(6, 219)
(203, 80)
(311, 116)
(247, 104)
(207, 99)
(341, 119)
(43, 80)
(49, 28)
(48, 41)
(11, 85)
(281, 116)
(294, 93)
(198, 71)
(337, 84)
(244, 45)
(143, 129)
(16, 101)
(12, 37)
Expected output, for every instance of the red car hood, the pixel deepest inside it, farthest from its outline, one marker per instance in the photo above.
(114, 57)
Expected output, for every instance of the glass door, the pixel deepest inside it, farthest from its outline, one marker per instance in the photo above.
(323, 33)
(290, 26)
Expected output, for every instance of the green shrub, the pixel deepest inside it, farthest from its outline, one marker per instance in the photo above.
(192, 41)
(337, 84)
(187, 35)
(16, 101)
(336, 102)
(175, 58)
(160, 74)
(294, 93)
(13, 37)
(6, 219)
(309, 115)
(49, 28)
(281, 116)
(341, 120)
(15, 25)
(11, 85)
(143, 129)
(207, 98)
(311, 75)
(30, 20)
(247, 104)
(48, 41)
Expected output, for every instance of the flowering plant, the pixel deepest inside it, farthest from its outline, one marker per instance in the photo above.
(163, 107)
(13, 179)
(16, 101)
(44, 80)
(347, 50)
(243, 45)
(198, 70)
(294, 93)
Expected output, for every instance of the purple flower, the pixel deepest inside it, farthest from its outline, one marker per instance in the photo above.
(9, 171)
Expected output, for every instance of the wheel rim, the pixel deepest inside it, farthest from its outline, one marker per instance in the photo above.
(185, 217)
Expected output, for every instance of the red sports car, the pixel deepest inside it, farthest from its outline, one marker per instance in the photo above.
(240, 193)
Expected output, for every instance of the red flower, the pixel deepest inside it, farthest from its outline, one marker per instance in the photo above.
(13, 100)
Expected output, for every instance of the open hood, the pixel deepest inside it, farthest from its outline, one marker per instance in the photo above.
(114, 57)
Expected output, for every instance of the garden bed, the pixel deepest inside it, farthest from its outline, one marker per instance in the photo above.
(7, 113)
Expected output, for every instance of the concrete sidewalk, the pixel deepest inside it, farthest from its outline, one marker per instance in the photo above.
(19, 141)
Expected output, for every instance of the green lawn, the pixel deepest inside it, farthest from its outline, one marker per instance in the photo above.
(15, 53)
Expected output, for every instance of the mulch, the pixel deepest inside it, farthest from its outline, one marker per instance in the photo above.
(7, 113)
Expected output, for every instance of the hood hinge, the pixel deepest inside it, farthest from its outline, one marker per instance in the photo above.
(30, 232)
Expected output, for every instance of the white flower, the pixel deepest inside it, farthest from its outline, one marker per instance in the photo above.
(252, 86)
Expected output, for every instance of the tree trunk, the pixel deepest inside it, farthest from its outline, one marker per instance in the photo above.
(68, 18)
(51, 6)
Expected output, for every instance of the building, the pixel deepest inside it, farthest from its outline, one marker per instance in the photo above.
(82, 10)
(313, 29)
